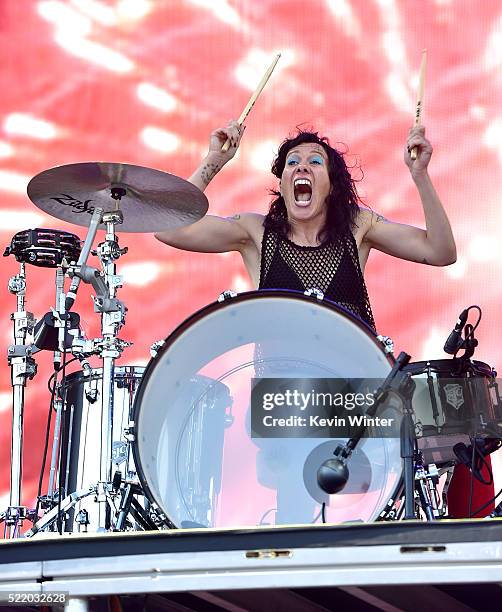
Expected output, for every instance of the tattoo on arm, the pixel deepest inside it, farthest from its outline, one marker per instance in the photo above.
(208, 172)
(380, 218)
(236, 217)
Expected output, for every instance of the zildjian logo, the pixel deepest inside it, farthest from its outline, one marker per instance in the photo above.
(77, 205)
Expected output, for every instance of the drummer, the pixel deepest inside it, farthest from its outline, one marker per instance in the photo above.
(317, 233)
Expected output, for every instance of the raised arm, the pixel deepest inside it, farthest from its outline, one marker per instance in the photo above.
(212, 234)
(435, 245)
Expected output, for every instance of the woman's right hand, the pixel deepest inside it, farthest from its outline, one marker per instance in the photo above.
(232, 132)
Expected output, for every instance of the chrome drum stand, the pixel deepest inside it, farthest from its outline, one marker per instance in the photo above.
(113, 196)
(23, 368)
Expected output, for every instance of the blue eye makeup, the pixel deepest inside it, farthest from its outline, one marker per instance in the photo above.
(292, 160)
(317, 159)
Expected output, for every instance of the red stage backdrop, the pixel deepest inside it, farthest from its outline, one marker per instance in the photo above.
(145, 82)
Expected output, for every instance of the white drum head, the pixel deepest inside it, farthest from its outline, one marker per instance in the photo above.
(194, 450)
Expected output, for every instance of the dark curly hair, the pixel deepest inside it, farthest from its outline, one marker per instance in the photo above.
(342, 201)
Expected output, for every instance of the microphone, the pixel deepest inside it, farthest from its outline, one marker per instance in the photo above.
(454, 340)
(84, 254)
(332, 476)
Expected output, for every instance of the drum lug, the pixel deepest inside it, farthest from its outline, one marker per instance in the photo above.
(156, 346)
(160, 518)
(313, 292)
(129, 432)
(388, 344)
(226, 295)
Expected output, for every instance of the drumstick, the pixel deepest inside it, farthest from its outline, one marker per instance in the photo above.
(420, 98)
(253, 98)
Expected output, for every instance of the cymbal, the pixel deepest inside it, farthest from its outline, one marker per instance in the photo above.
(153, 200)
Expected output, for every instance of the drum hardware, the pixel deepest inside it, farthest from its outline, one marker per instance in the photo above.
(82, 519)
(153, 201)
(226, 295)
(43, 248)
(48, 501)
(333, 474)
(387, 343)
(393, 508)
(426, 481)
(110, 195)
(129, 505)
(426, 495)
(46, 333)
(58, 512)
(109, 347)
(408, 442)
(493, 389)
(156, 346)
(313, 292)
(23, 368)
(77, 271)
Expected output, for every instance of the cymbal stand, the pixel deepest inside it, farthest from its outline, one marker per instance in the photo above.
(108, 347)
(23, 367)
(58, 404)
(112, 319)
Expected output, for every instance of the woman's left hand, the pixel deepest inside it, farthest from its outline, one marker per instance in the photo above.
(416, 138)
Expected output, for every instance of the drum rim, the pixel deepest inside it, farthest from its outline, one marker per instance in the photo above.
(200, 314)
(119, 371)
(441, 366)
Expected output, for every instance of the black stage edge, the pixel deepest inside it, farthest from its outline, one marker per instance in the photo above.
(409, 533)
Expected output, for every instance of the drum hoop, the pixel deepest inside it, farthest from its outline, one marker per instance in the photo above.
(446, 368)
(79, 376)
(200, 314)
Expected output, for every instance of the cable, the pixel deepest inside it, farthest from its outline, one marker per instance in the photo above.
(476, 472)
(44, 457)
(490, 501)
(51, 378)
(264, 515)
(471, 481)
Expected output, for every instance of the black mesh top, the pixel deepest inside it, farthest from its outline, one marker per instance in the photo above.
(334, 269)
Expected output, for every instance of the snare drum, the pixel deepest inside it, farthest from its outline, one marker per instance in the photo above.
(451, 400)
(200, 465)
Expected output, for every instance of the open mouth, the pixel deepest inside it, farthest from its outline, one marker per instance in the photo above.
(302, 191)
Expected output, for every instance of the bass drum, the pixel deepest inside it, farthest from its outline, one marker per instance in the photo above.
(194, 452)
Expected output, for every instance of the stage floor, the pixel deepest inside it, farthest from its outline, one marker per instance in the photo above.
(447, 565)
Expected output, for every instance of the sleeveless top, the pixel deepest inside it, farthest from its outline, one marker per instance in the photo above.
(333, 268)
